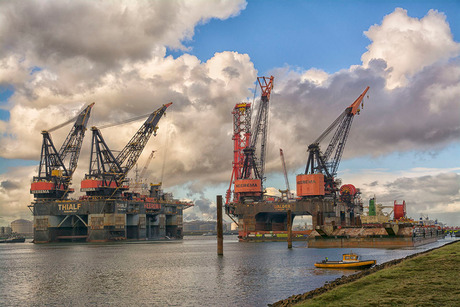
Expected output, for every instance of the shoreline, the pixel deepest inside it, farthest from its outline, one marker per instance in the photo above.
(295, 299)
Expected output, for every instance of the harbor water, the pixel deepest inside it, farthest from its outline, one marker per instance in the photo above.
(174, 273)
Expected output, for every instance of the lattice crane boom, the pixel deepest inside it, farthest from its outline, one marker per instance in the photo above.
(252, 163)
(322, 168)
(131, 152)
(74, 140)
(288, 188)
(248, 179)
(107, 173)
(147, 163)
(54, 176)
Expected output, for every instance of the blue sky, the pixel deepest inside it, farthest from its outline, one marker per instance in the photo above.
(114, 67)
(322, 34)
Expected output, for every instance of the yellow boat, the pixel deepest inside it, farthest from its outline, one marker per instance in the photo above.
(349, 261)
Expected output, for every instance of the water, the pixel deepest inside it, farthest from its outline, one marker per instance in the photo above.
(181, 273)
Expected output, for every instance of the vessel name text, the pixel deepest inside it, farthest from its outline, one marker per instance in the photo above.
(69, 207)
(247, 185)
(306, 181)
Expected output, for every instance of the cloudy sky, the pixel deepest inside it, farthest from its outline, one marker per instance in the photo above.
(131, 57)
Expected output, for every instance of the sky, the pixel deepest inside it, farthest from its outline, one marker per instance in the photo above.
(131, 57)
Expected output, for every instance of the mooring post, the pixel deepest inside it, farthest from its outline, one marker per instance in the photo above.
(220, 236)
(289, 229)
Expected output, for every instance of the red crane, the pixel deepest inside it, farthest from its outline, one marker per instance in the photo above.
(249, 153)
(321, 168)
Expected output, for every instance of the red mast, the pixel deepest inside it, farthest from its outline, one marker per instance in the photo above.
(248, 166)
(241, 140)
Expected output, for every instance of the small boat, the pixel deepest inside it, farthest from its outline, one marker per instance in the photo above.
(349, 261)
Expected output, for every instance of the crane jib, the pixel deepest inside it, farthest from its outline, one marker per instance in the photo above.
(324, 166)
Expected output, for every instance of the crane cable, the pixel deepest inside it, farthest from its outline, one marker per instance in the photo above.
(124, 121)
(68, 121)
(167, 136)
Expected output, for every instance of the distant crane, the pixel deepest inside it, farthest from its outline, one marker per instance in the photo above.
(140, 176)
(54, 175)
(286, 192)
(248, 168)
(107, 173)
(321, 168)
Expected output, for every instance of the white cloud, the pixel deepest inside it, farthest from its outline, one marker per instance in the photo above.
(125, 71)
(410, 44)
(316, 76)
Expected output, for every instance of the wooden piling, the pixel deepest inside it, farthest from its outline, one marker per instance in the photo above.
(289, 229)
(220, 236)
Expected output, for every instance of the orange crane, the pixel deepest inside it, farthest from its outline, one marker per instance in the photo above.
(321, 168)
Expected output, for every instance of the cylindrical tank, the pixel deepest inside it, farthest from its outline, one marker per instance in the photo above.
(21, 226)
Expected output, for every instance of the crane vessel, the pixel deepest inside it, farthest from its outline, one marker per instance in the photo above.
(336, 209)
(109, 210)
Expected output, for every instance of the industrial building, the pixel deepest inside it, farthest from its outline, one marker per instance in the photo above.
(5, 231)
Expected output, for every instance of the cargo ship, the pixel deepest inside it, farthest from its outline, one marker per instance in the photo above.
(378, 229)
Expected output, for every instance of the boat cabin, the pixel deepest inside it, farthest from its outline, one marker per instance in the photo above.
(350, 257)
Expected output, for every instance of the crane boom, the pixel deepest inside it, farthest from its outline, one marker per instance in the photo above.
(141, 174)
(144, 169)
(54, 177)
(74, 140)
(107, 173)
(322, 168)
(131, 152)
(288, 189)
(252, 163)
(249, 183)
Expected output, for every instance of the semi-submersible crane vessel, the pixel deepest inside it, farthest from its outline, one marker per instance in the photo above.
(261, 218)
(336, 209)
(109, 211)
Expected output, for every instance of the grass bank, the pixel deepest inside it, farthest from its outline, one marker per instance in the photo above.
(427, 279)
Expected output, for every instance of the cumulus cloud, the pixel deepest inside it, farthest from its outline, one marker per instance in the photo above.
(421, 115)
(409, 44)
(62, 55)
(88, 33)
(115, 55)
(14, 194)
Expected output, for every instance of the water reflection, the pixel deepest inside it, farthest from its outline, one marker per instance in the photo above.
(186, 273)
